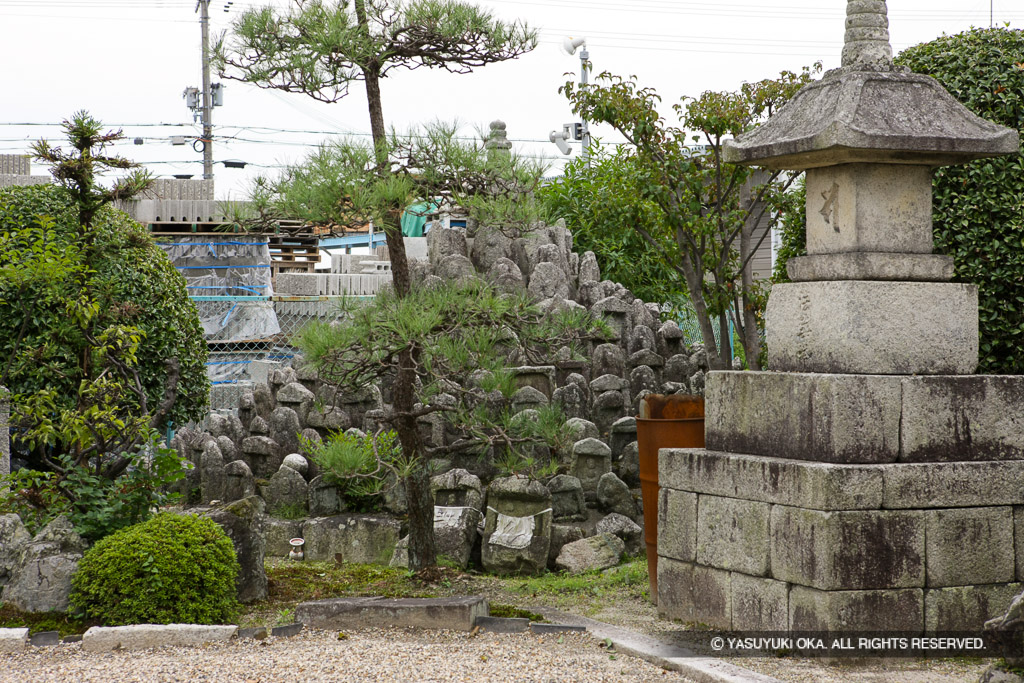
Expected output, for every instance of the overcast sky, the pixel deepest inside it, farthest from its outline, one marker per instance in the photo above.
(128, 61)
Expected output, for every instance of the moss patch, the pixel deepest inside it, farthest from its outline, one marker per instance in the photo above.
(48, 621)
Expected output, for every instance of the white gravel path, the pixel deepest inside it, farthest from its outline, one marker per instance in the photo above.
(368, 655)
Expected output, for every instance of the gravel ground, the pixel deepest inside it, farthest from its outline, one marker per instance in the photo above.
(381, 655)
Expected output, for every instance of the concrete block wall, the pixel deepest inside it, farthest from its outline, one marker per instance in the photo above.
(757, 543)
(15, 164)
(331, 284)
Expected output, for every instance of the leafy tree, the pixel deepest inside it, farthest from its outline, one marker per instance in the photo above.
(99, 341)
(978, 208)
(598, 200)
(319, 49)
(698, 194)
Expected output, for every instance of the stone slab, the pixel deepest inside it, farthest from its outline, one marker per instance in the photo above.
(733, 534)
(759, 604)
(851, 550)
(253, 632)
(967, 546)
(457, 614)
(867, 610)
(13, 639)
(366, 539)
(871, 266)
(287, 631)
(143, 636)
(694, 594)
(694, 667)
(980, 417)
(873, 327)
(804, 416)
(819, 486)
(503, 624)
(45, 639)
(539, 629)
(966, 608)
(677, 524)
(952, 484)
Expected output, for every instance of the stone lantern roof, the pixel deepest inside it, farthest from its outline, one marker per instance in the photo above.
(870, 111)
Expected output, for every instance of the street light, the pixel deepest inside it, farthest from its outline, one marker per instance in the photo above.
(569, 46)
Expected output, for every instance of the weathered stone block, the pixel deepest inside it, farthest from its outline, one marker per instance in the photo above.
(952, 484)
(819, 486)
(591, 459)
(733, 534)
(517, 527)
(694, 594)
(966, 608)
(868, 610)
(871, 266)
(861, 326)
(847, 550)
(852, 208)
(677, 524)
(979, 417)
(277, 533)
(969, 546)
(759, 604)
(365, 539)
(594, 553)
(804, 416)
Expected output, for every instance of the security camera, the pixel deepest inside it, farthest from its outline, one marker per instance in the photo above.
(570, 44)
(560, 138)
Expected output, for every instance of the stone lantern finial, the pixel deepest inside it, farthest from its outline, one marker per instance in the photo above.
(867, 36)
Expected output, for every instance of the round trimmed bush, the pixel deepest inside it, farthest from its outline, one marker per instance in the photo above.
(170, 569)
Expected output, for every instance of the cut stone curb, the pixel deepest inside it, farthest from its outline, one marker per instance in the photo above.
(671, 657)
(142, 636)
(254, 632)
(13, 639)
(287, 631)
(75, 638)
(503, 624)
(456, 614)
(540, 629)
(45, 639)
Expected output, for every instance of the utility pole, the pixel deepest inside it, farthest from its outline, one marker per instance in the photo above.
(203, 6)
(584, 69)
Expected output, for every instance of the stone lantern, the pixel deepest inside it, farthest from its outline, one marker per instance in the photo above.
(868, 481)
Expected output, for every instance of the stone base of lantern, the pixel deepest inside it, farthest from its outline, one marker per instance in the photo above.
(873, 327)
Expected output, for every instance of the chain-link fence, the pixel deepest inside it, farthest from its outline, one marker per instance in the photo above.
(252, 334)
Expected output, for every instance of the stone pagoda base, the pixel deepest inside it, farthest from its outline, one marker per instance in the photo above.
(851, 515)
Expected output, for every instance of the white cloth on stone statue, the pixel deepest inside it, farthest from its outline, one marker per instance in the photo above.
(513, 532)
(450, 515)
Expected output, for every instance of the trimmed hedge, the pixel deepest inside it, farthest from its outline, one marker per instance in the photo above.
(978, 208)
(170, 569)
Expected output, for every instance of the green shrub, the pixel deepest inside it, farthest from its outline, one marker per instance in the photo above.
(978, 208)
(133, 284)
(170, 569)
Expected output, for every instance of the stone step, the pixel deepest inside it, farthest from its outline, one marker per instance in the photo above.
(142, 636)
(457, 614)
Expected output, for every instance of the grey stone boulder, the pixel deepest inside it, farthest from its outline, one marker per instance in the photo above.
(628, 467)
(489, 246)
(365, 539)
(582, 428)
(297, 462)
(40, 581)
(287, 490)
(324, 498)
(590, 271)
(526, 398)
(608, 359)
(614, 496)
(549, 281)
(285, 426)
(631, 533)
(573, 400)
(517, 527)
(602, 551)
(457, 488)
(455, 268)
(211, 473)
(277, 533)
(567, 500)
(242, 521)
(505, 275)
(562, 535)
(443, 242)
(238, 481)
(455, 534)
(591, 459)
(13, 537)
